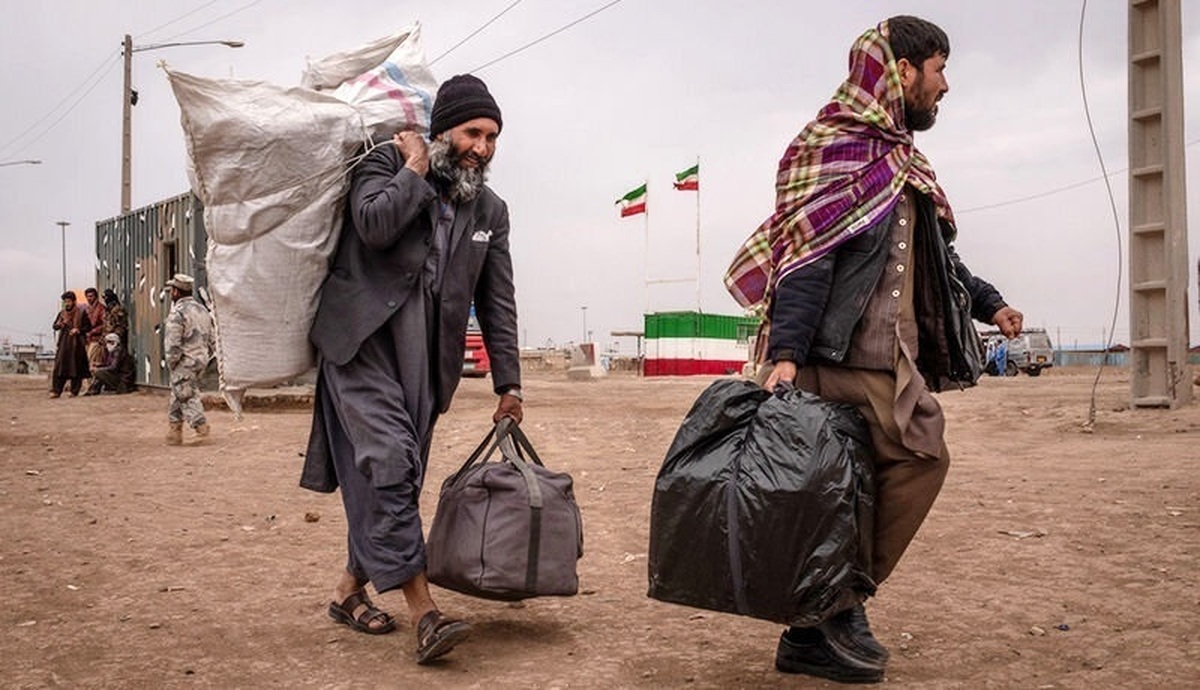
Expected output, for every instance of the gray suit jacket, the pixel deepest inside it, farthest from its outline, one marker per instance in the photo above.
(385, 240)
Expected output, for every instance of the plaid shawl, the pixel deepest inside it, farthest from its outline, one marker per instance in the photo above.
(842, 173)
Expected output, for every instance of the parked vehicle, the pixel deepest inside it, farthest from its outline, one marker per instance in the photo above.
(1030, 352)
(476, 362)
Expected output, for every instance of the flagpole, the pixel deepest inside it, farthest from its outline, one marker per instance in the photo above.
(698, 311)
(646, 255)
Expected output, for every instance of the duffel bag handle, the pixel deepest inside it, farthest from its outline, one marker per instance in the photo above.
(494, 436)
(504, 430)
(509, 438)
(521, 441)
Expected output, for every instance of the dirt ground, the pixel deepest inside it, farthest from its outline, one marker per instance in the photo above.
(1054, 558)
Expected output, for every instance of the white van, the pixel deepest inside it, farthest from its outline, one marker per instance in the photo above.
(1029, 352)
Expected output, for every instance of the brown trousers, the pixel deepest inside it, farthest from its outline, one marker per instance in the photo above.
(95, 355)
(906, 482)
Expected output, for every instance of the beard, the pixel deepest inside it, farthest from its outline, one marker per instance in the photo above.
(919, 119)
(459, 184)
(916, 118)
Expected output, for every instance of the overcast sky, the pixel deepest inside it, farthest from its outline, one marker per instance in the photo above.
(635, 93)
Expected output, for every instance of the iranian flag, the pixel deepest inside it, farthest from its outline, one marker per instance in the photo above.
(634, 202)
(688, 179)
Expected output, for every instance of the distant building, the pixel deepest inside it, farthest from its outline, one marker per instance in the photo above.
(24, 359)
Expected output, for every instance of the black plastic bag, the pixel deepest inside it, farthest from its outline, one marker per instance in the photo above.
(764, 506)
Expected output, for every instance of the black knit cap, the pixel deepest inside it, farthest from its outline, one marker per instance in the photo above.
(460, 99)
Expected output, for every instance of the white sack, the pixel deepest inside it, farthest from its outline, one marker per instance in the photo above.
(270, 164)
(329, 72)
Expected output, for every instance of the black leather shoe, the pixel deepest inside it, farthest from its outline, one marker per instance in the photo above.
(849, 635)
(805, 650)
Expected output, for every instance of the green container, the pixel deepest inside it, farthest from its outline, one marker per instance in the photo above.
(690, 324)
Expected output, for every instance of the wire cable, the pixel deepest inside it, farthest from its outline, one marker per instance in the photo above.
(207, 24)
(73, 92)
(78, 92)
(178, 19)
(79, 97)
(474, 33)
(536, 41)
(1049, 192)
(1091, 420)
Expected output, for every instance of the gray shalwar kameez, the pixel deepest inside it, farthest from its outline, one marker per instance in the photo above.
(379, 409)
(390, 332)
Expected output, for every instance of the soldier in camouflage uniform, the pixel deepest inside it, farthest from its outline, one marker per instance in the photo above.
(188, 345)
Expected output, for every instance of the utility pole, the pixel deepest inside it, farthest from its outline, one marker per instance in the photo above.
(1158, 253)
(126, 125)
(129, 99)
(62, 224)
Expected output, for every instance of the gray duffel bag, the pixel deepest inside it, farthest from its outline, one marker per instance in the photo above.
(506, 530)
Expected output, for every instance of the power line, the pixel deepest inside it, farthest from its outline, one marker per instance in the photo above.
(1049, 192)
(536, 41)
(205, 25)
(79, 97)
(1032, 197)
(75, 92)
(178, 19)
(108, 62)
(474, 33)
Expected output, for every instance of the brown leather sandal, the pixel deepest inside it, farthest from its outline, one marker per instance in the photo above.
(438, 634)
(344, 613)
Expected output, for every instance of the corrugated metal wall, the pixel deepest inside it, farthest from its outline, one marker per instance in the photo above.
(688, 343)
(135, 255)
(691, 324)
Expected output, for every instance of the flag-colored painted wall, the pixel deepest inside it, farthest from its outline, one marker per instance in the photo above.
(688, 343)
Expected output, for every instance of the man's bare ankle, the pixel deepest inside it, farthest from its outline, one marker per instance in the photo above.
(419, 613)
(346, 585)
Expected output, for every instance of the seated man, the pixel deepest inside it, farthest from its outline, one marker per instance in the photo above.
(116, 375)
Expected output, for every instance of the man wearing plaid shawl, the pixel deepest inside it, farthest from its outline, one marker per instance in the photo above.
(865, 301)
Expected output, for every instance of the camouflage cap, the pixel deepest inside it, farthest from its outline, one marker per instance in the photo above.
(182, 281)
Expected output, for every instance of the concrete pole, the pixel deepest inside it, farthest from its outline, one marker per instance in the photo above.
(126, 123)
(62, 224)
(698, 310)
(127, 106)
(1158, 265)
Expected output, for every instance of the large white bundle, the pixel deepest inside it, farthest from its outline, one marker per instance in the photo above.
(270, 165)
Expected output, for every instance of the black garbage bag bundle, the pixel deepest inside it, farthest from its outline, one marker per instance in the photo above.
(764, 506)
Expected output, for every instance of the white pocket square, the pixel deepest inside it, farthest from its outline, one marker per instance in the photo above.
(482, 236)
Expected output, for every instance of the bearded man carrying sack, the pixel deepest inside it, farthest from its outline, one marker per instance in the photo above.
(424, 236)
(866, 301)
